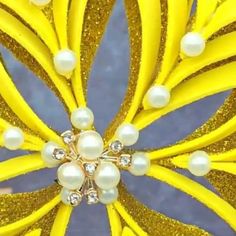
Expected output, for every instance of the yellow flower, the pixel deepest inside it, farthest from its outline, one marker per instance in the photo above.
(177, 58)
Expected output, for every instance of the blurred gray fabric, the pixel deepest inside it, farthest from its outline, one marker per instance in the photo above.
(107, 87)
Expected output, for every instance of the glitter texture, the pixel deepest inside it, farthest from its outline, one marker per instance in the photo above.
(23, 56)
(135, 34)
(14, 207)
(155, 224)
(96, 16)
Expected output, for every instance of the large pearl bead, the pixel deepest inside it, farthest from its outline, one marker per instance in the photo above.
(127, 134)
(199, 163)
(82, 118)
(108, 196)
(70, 175)
(40, 3)
(13, 138)
(158, 96)
(107, 176)
(65, 62)
(47, 154)
(90, 145)
(140, 164)
(193, 44)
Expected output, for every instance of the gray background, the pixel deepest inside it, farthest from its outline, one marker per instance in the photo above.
(106, 90)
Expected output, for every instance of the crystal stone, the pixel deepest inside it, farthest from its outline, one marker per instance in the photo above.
(68, 137)
(116, 146)
(75, 198)
(124, 160)
(92, 197)
(59, 154)
(90, 168)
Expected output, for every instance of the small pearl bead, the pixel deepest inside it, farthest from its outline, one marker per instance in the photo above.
(64, 196)
(199, 163)
(70, 175)
(47, 153)
(40, 3)
(127, 134)
(140, 164)
(158, 96)
(82, 118)
(107, 176)
(193, 44)
(13, 138)
(90, 145)
(65, 62)
(108, 196)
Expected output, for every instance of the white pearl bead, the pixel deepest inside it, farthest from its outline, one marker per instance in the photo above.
(140, 164)
(108, 196)
(199, 163)
(158, 96)
(13, 138)
(70, 175)
(107, 176)
(193, 44)
(127, 134)
(82, 118)
(90, 145)
(47, 154)
(65, 62)
(40, 3)
(65, 196)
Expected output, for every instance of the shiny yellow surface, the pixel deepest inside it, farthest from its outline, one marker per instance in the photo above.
(60, 9)
(127, 232)
(114, 220)
(44, 30)
(155, 28)
(205, 10)
(173, 37)
(61, 220)
(76, 20)
(36, 232)
(20, 165)
(196, 190)
(129, 220)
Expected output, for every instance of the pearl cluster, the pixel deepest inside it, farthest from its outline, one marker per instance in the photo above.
(86, 167)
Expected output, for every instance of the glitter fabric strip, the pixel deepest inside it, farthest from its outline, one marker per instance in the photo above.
(45, 223)
(135, 34)
(96, 16)
(225, 30)
(164, 22)
(156, 224)
(14, 207)
(23, 56)
(225, 184)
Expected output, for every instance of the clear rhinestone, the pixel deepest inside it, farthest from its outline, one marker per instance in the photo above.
(59, 154)
(68, 137)
(75, 198)
(90, 168)
(124, 160)
(116, 146)
(92, 196)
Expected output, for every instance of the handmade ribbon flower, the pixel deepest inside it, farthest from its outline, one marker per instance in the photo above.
(177, 57)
